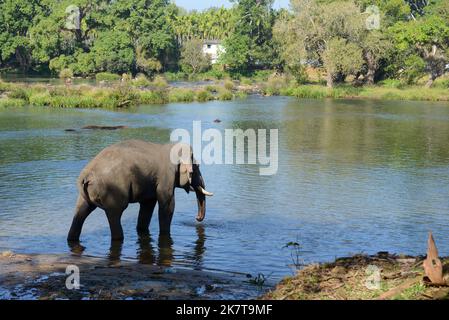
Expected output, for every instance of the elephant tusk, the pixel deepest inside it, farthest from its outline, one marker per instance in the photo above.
(191, 188)
(205, 192)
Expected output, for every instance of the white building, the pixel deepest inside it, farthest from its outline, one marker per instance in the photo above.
(213, 48)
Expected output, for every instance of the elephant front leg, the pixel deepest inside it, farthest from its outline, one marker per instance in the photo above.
(145, 214)
(82, 211)
(166, 209)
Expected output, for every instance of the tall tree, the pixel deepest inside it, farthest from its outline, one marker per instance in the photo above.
(250, 44)
(16, 19)
(426, 38)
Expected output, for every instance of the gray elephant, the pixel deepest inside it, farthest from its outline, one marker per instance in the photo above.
(137, 171)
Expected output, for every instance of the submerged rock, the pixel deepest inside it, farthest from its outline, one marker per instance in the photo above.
(95, 127)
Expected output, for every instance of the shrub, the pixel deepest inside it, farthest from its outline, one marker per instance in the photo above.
(127, 77)
(175, 76)
(153, 97)
(107, 76)
(391, 83)
(441, 83)
(19, 93)
(66, 73)
(211, 88)
(228, 84)
(274, 85)
(240, 95)
(159, 82)
(204, 95)
(246, 81)
(40, 99)
(11, 102)
(141, 81)
(262, 75)
(225, 94)
(181, 95)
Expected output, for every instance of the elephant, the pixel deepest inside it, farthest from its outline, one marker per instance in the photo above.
(136, 171)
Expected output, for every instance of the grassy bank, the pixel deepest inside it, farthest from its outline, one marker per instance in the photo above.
(116, 94)
(400, 278)
(368, 92)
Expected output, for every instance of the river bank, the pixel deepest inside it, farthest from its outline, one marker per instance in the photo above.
(382, 276)
(112, 95)
(43, 276)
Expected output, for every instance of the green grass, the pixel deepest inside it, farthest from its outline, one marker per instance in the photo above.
(412, 293)
(368, 92)
(107, 76)
(181, 95)
(121, 95)
(11, 102)
(204, 95)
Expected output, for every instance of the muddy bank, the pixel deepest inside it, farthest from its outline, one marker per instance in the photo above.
(44, 277)
(382, 276)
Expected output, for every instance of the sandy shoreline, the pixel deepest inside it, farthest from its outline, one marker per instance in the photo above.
(43, 276)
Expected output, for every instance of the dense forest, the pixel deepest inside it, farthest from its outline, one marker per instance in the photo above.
(364, 40)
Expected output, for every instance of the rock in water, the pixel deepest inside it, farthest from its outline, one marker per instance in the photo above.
(95, 127)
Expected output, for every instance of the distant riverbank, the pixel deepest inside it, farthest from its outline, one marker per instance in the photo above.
(118, 94)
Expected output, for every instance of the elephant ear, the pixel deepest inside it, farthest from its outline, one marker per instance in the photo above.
(185, 172)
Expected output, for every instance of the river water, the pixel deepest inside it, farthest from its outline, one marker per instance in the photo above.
(354, 176)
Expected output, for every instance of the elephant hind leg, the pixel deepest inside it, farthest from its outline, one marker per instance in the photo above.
(145, 214)
(114, 217)
(82, 211)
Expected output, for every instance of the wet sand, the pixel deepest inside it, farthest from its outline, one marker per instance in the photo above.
(43, 276)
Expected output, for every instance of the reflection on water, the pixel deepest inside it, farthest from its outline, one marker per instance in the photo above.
(354, 176)
(147, 254)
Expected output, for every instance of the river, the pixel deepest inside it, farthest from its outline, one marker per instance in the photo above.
(354, 176)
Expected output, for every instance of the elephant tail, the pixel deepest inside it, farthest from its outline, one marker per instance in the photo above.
(85, 194)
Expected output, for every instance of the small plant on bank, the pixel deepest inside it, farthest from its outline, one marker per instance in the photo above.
(229, 85)
(204, 95)
(107, 76)
(295, 254)
(181, 95)
(141, 80)
(225, 94)
(159, 82)
(65, 74)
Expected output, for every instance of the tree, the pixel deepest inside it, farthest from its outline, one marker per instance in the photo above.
(147, 23)
(113, 52)
(376, 46)
(250, 46)
(341, 57)
(319, 33)
(16, 18)
(426, 37)
(193, 59)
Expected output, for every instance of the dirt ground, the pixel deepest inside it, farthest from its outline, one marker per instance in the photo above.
(44, 277)
(381, 276)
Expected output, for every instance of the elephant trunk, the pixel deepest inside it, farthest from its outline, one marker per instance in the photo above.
(201, 199)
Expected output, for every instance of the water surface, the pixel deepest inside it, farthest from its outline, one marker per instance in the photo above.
(354, 176)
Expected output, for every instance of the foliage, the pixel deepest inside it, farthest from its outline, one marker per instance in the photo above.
(250, 46)
(193, 59)
(66, 73)
(107, 76)
(423, 41)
